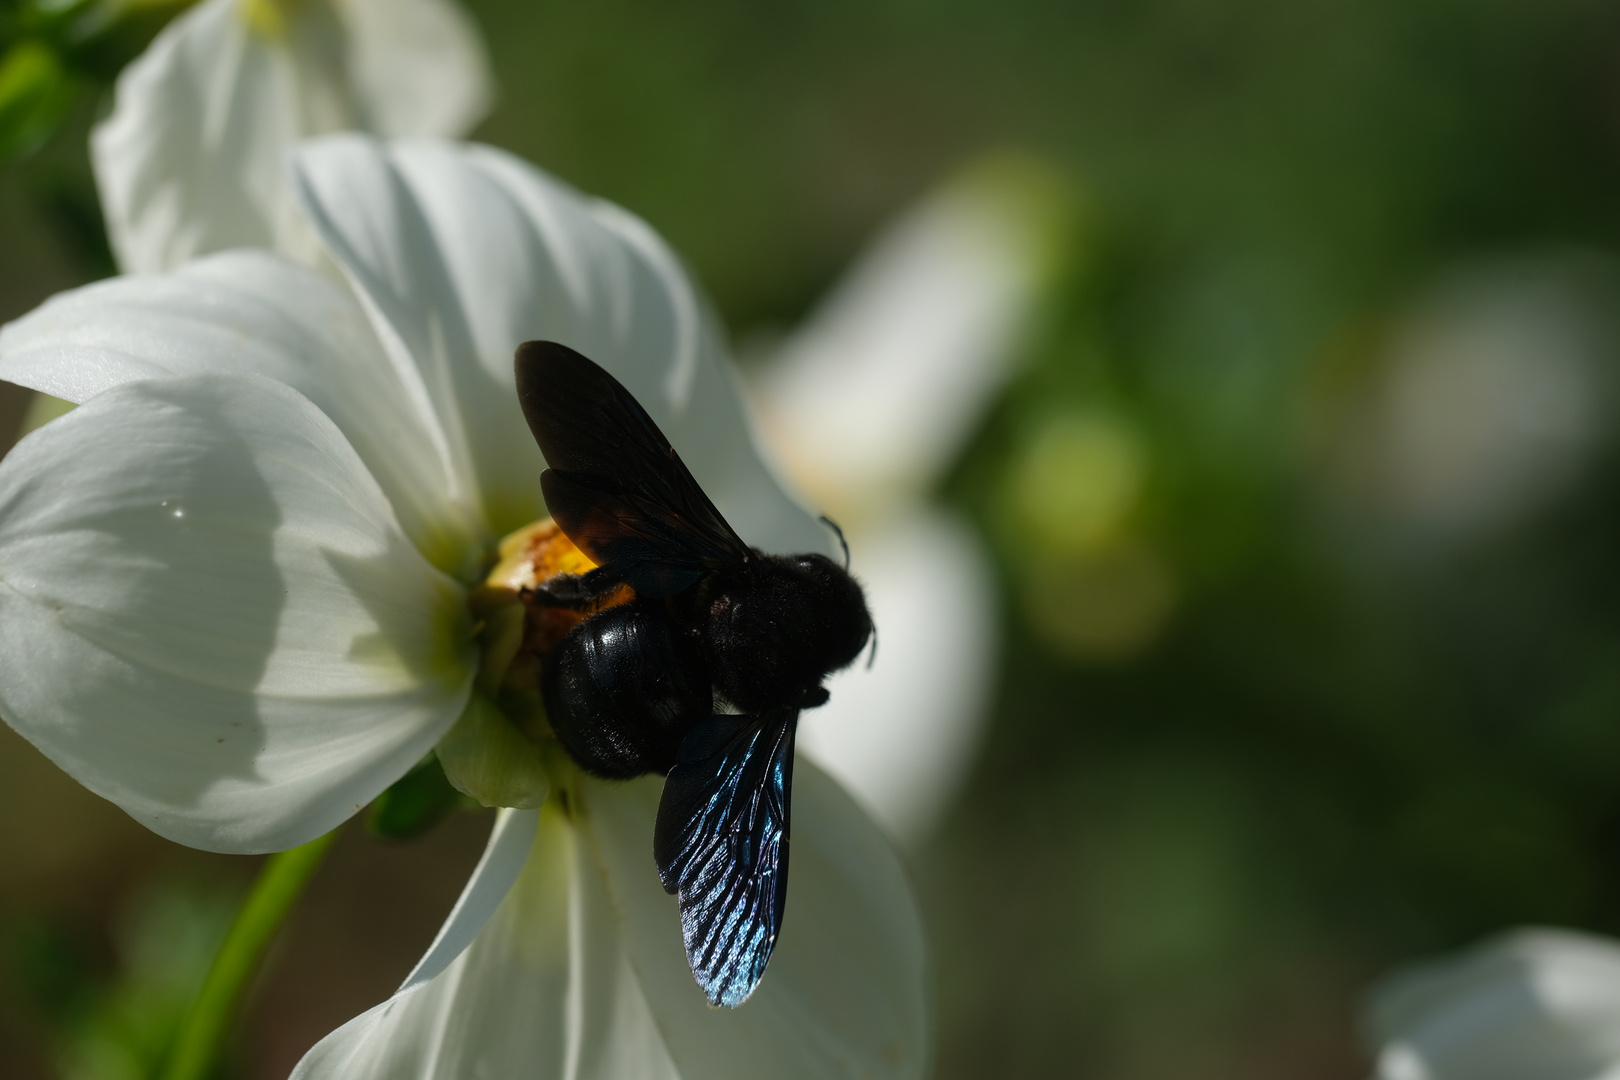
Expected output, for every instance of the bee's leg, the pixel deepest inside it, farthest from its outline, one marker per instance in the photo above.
(578, 592)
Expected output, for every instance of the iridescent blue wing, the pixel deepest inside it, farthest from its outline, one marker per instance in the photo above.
(616, 487)
(722, 845)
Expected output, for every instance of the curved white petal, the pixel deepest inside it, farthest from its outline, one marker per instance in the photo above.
(581, 973)
(465, 252)
(497, 871)
(190, 160)
(844, 995)
(1531, 1005)
(210, 616)
(419, 67)
(877, 391)
(250, 312)
(901, 735)
(544, 990)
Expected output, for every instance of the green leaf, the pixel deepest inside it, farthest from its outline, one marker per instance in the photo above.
(417, 802)
(35, 92)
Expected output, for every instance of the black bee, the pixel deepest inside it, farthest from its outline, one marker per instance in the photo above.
(634, 688)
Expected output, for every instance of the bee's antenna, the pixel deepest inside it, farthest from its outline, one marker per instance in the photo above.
(870, 660)
(833, 525)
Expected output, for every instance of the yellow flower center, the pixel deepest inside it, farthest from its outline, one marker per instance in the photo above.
(502, 751)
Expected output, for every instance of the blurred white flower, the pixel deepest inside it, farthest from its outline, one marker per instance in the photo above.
(875, 394)
(236, 603)
(865, 407)
(1487, 400)
(190, 161)
(1529, 1005)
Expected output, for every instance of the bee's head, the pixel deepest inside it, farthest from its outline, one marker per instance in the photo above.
(773, 640)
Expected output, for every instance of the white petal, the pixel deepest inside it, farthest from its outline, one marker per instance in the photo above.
(544, 991)
(844, 994)
(189, 162)
(209, 614)
(497, 871)
(1531, 1005)
(466, 252)
(253, 313)
(581, 973)
(901, 735)
(419, 67)
(876, 392)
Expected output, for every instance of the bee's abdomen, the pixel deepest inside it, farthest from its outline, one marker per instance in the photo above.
(622, 689)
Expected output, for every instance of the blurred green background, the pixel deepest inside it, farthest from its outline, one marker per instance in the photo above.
(1320, 673)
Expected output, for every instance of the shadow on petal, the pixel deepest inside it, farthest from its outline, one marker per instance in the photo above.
(413, 644)
(844, 995)
(543, 991)
(175, 632)
(142, 599)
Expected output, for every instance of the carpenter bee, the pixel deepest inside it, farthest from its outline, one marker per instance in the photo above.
(700, 676)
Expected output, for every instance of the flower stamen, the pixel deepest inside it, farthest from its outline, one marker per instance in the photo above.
(502, 751)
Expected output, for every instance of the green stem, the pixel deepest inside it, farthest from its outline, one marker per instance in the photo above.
(196, 1051)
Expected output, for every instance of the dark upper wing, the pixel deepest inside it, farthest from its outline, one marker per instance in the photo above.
(722, 843)
(616, 487)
